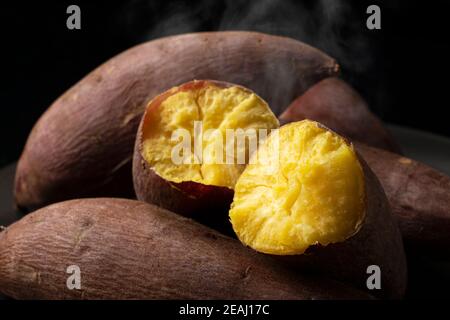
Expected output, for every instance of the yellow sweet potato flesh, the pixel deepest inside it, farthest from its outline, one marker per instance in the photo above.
(218, 109)
(304, 186)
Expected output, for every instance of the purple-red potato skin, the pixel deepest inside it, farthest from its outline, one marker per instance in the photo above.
(127, 249)
(419, 197)
(338, 106)
(82, 146)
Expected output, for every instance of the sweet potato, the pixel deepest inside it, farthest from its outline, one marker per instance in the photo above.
(201, 180)
(418, 194)
(419, 197)
(82, 146)
(127, 249)
(310, 199)
(338, 106)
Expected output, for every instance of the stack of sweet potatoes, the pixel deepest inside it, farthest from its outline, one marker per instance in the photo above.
(82, 149)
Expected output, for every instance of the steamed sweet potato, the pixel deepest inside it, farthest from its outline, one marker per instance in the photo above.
(82, 145)
(127, 249)
(337, 105)
(419, 197)
(309, 198)
(201, 181)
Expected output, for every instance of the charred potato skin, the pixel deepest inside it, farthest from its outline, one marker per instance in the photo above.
(127, 249)
(337, 105)
(419, 196)
(83, 144)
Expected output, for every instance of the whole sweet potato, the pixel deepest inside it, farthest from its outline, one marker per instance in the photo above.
(337, 105)
(419, 197)
(82, 145)
(126, 249)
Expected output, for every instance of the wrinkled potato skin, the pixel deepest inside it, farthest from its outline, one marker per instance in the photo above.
(127, 249)
(82, 146)
(337, 105)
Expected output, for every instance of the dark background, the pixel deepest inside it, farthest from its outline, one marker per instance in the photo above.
(401, 69)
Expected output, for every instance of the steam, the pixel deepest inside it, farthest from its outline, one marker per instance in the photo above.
(319, 23)
(334, 26)
(178, 18)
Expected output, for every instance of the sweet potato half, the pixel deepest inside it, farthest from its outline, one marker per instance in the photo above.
(308, 197)
(338, 106)
(126, 249)
(194, 142)
(418, 194)
(82, 146)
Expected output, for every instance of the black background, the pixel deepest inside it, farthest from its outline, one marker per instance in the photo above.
(401, 69)
(169, 309)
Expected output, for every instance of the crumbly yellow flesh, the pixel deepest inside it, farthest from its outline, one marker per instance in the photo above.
(309, 190)
(218, 109)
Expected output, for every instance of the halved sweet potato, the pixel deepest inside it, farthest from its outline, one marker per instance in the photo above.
(127, 249)
(82, 146)
(337, 105)
(418, 194)
(194, 142)
(309, 198)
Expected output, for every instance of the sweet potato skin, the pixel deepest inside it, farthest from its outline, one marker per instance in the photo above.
(419, 197)
(127, 249)
(337, 105)
(83, 144)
